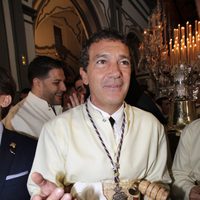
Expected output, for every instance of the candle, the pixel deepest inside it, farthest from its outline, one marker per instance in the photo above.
(182, 31)
(190, 55)
(194, 52)
(173, 57)
(170, 51)
(190, 29)
(179, 32)
(188, 50)
(196, 26)
(187, 29)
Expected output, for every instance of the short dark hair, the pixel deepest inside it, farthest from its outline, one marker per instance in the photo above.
(160, 100)
(41, 65)
(7, 83)
(104, 34)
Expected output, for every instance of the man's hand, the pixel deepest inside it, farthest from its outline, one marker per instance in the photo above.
(75, 100)
(195, 193)
(49, 191)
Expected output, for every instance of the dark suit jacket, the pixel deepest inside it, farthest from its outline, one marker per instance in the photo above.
(16, 156)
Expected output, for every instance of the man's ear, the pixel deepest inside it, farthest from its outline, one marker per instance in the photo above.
(36, 82)
(5, 100)
(84, 76)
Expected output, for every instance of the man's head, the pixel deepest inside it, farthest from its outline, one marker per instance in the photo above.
(7, 89)
(164, 103)
(104, 34)
(47, 79)
(106, 61)
(79, 86)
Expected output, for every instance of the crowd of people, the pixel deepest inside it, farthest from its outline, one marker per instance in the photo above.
(100, 138)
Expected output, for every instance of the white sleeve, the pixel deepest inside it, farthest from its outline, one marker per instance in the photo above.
(182, 166)
(49, 159)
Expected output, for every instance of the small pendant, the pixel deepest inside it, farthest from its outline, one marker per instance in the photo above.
(119, 195)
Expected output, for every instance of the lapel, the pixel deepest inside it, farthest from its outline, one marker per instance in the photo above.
(7, 155)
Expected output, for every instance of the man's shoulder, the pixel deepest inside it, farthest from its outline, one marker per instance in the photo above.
(192, 128)
(139, 111)
(196, 122)
(14, 109)
(12, 112)
(68, 115)
(75, 110)
(140, 116)
(20, 137)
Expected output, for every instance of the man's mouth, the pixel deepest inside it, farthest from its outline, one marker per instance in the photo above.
(59, 95)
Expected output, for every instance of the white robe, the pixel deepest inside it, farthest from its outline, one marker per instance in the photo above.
(186, 164)
(69, 150)
(29, 115)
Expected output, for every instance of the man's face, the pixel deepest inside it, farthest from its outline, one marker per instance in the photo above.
(165, 106)
(80, 88)
(108, 74)
(53, 86)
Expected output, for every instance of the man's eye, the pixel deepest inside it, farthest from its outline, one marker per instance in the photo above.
(101, 61)
(56, 82)
(125, 62)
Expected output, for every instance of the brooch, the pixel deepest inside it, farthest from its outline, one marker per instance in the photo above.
(12, 147)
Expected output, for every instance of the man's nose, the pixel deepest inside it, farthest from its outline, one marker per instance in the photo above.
(63, 87)
(115, 68)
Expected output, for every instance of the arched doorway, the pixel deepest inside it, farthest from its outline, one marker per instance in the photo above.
(60, 29)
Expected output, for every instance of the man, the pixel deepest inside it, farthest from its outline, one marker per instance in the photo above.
(164, 105)
(78, 94)
(16, 150)
(186, 165)
(80, 148)
(80, 87)
(43, 102)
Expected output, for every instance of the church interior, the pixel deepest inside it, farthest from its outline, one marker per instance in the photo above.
(162, 61)
(164, 36)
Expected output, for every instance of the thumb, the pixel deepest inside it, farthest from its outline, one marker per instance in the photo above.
(46, 187)
(38, 179)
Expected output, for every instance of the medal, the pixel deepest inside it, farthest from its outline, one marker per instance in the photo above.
(119, 195)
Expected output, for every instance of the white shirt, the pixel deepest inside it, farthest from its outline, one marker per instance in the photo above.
(117, 116)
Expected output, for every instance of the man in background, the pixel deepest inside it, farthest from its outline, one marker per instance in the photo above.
(47, 80)
(79, 94)
(164, 105)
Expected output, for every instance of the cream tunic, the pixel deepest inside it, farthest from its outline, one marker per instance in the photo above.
(29, 115)
(186, 165)
(69, 147)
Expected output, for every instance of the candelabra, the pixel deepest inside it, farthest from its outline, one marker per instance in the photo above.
(174, 67)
